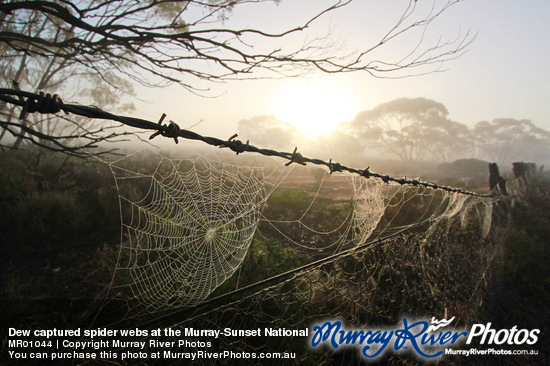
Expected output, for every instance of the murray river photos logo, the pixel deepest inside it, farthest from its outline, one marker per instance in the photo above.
(425, 339)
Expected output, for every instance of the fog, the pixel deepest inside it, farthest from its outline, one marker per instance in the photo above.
(416, 130)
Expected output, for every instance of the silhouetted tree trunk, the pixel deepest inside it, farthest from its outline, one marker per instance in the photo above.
(496, 180)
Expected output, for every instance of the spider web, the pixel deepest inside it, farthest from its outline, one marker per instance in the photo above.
(188, 233)
(188, 223)
(444, 269)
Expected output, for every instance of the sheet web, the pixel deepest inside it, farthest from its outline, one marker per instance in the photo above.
(199, 232)
(443, 271)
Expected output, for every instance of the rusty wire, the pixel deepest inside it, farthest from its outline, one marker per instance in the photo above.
(46, 103)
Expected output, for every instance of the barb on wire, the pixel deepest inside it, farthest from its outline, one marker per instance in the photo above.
(296, 157)
(44, 104)
(238, 146)
(334, 167)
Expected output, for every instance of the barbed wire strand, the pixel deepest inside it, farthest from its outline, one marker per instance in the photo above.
(51, 104)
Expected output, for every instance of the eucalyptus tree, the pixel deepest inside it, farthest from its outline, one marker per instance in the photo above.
(412, 129)
(506, 140)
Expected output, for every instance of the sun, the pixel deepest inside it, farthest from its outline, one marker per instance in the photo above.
(315, 107)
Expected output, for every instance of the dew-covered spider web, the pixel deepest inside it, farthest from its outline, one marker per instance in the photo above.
(186, 226)
(275, 243)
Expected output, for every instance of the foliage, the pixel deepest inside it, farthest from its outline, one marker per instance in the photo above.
(74, 201)
(289, 196)
(287, 203)
(51, 200)
(528, 245)
(266, 257)
(506, 139)
(268, 131)
(411, 129)
(465, 167)
(469, 173)
(59, 223)
(419, 129)
(17, 296)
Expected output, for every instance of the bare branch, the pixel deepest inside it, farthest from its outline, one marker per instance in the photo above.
(159, 42)
(147, 38)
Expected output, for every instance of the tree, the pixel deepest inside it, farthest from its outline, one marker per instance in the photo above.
(267, 131)
(339, 146)
(448, 140)
(158, 42)
(411, 129)
(50, 70)
(505, 140)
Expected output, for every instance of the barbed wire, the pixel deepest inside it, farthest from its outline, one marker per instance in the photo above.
(51, 104)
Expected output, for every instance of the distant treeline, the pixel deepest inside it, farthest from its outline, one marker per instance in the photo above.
(411, 130)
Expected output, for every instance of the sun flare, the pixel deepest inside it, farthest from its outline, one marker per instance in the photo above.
(315, 108)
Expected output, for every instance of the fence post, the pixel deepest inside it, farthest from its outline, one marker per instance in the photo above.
(496, 180)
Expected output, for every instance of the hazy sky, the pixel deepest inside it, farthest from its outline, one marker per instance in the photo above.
(505, 72)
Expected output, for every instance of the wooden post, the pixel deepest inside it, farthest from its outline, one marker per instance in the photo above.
(496, 180)
(493, 175)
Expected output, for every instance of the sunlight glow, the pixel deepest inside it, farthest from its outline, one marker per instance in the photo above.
(315, 107)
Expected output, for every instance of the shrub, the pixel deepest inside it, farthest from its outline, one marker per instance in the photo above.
(528, 244)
